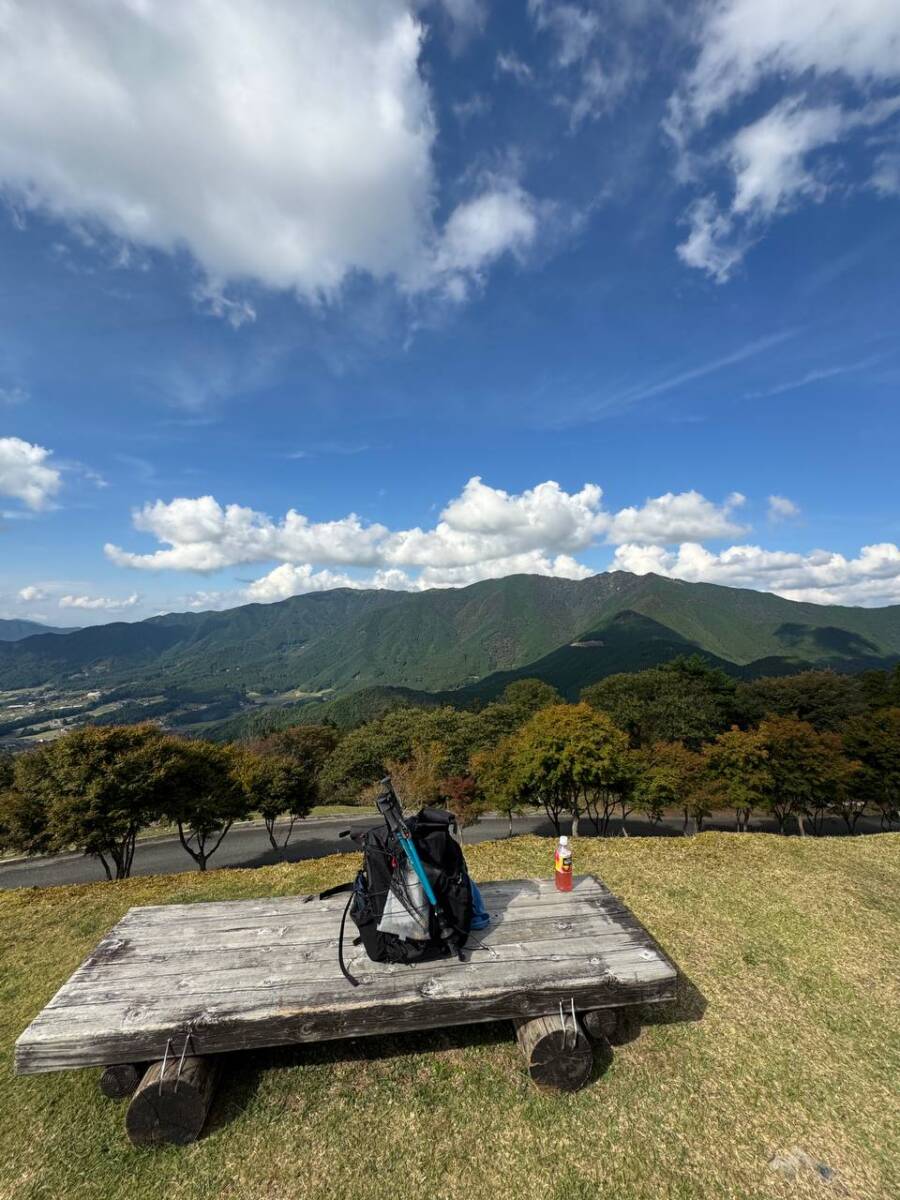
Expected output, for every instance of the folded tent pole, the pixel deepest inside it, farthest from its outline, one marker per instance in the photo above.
(389, 807)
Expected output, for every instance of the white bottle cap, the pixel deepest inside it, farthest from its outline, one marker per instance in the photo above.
(563, 840)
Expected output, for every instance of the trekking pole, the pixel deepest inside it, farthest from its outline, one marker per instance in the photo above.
(389, 807)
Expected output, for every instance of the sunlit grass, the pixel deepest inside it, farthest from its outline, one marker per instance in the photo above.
(789, 949)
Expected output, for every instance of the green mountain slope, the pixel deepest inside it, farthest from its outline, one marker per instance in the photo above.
(13, 630)
(342, 641)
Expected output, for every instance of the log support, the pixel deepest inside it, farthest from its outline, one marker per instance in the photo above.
(614, 1025)
(119, 1081)
(171, 1105)
(558, 1052)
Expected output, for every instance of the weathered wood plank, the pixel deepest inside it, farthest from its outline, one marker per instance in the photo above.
(623, 953)
(132, 963)
(243, 981)
(287, 1029)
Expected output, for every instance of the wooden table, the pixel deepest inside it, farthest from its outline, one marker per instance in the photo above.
(176, 985)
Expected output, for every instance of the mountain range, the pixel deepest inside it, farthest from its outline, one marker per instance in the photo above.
(14, 630)
(462, 643)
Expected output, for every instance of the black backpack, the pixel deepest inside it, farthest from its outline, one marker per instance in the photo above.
(383, 870)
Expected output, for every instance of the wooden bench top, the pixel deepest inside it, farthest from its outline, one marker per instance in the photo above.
(252, 973)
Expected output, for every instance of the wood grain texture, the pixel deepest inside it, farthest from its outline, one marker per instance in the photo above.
(119, 1080)
(558, 1055)
(253, 973)
(171, 1105)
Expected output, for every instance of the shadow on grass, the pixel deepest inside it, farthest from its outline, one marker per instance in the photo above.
(242, 1071)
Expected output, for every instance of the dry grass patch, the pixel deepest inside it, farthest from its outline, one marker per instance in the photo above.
(789, 950)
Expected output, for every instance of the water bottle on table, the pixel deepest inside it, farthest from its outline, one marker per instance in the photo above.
(563, 865)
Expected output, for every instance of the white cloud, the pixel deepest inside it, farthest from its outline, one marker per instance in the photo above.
(573, 28)
(285, 144)
(502, 219)
(509, 63)
(32, 593)
(744, 44)
(672, 518)
(886, 176)
(99, 603)
(821, 576)
(744, 41)
(769, 161)
(25, 475)
(13, 395)
(294, 580)
(483, 533)
(782, 509)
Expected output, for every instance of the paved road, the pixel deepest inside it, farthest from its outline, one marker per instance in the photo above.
(248, 846)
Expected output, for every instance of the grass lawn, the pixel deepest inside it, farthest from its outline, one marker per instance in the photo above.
(790, 947)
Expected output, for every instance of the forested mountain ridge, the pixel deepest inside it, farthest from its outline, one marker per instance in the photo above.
(13, 629)
(472, 639)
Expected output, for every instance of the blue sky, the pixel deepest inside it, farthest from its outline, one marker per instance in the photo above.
(300, 295)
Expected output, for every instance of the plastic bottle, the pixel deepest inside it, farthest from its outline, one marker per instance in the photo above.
(563, 865)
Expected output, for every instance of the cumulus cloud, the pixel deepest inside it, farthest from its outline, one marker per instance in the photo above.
(25, 474)
(280, 144)
(31, 593)
(483, 533)
(782, 509)
(771, 162)
(821, 576)
(674, 518)
(99, 603)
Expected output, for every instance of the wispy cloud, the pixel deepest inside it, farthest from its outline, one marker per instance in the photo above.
(598, 407)
(815, 376)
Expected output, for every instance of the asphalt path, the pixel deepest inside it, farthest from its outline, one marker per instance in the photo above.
(248, 846)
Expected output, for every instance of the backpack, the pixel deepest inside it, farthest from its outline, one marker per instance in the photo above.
(384, 882)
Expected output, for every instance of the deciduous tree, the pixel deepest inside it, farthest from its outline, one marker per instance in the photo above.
(205, 796)
(95, 789)
(739, 760)
(874, 741)
(565, 753)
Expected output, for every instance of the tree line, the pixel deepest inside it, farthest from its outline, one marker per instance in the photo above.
(682, 737)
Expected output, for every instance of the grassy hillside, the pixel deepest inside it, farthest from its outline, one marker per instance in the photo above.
(785, 1034)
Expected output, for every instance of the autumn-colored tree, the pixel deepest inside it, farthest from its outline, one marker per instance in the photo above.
(841, 792)
(670, 775)
(739, 760)
(797, 766)
(874, 741)
(460, 795)
(564, 754)
(205, 796)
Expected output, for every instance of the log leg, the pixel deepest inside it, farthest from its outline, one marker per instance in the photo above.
(175, 1111)
(556, 1059)
(120, 1080)
(615, 1025)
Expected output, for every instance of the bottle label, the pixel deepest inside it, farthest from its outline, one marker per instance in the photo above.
(564, 861)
